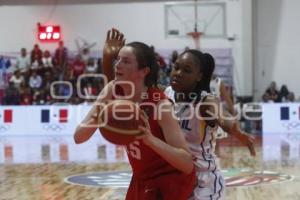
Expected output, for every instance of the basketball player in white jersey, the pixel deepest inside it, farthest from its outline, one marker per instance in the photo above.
(197, 112)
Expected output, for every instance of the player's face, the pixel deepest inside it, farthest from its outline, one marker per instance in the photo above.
(126, 66)
(185, 73)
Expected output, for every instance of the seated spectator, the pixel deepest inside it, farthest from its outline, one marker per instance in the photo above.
(11, 95)
(91, 67)
(90, 91)
(26, 97)
(47, 61)
(35, 81)
(283, 93)
(47, 81)
(23, 61)
(272, 92)
(290, 97)
(266, 98)
(36, 64)
(17, 79)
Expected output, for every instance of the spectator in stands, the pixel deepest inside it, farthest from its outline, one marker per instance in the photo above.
(85, 55)
(26, 97)
(36, 54)
(99, 66)
(160, 60)
(35, 81)
(90, 91)
(272, 93)
(77, 68)
(37, 63)
(91, 67)
(47, 62)
(47, 81)
(11, 95)
(17, 79)
(61, 56)
(173, 58)
(283, 93)
(290, 97)
(23, 61)
(265, 98)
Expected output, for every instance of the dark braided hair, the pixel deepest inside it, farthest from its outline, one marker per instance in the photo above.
(146, 58)
(206, 64)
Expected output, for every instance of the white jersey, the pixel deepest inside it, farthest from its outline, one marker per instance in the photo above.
(200, 137)
(201, 140)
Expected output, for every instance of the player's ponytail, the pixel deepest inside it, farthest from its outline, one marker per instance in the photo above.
(206, 64)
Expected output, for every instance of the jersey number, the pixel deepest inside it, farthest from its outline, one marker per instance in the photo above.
(133, 150)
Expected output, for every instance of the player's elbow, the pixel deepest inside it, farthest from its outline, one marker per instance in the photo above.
(77, 139)
(81, 135)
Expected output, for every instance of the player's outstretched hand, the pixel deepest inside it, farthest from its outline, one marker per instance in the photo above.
(244, 138)
(114, 42)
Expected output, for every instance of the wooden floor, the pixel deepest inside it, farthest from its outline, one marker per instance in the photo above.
(46, 181)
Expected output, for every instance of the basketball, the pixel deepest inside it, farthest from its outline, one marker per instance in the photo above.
(119, 121)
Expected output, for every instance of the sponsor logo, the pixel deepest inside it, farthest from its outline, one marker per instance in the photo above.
(246, 177)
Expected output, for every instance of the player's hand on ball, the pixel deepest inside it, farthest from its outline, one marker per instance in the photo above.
(145, 129)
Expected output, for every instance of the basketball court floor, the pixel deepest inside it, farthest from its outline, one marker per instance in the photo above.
(247, 178)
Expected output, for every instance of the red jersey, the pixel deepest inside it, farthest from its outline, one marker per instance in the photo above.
(144, 161)
(153, 177)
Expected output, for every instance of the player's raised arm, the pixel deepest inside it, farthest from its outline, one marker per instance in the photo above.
(114, 42)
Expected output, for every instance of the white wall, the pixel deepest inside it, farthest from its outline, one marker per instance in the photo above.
(139, 21)
(277, 45)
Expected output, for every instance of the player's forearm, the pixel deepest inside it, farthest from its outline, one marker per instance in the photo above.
(87, 127)
(177, 157)
(107, 63)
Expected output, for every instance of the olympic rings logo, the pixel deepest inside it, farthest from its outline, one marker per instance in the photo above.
(54, 127)
(291, 125)
(4, 128)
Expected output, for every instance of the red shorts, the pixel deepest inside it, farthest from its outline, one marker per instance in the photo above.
(173, 186)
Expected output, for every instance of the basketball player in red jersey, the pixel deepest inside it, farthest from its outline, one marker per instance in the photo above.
(210, 181)
(161, 162)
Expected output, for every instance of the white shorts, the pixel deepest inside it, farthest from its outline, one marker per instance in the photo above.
(210, 186)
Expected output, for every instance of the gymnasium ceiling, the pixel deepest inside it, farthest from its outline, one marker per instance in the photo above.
(51, 2)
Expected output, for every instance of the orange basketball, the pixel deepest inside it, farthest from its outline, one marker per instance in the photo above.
(119, 121)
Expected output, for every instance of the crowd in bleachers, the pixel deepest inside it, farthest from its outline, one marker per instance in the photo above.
(39, 77)
(28, 81)
(272, 94)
